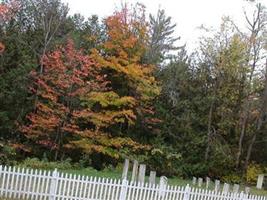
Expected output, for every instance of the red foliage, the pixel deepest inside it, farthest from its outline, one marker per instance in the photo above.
(7, 10)
(68, 76)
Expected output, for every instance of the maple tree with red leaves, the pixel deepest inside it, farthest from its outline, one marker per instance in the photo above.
(73, 105)
(68, 75)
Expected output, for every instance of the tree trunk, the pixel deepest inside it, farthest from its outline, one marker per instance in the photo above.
(241, 138)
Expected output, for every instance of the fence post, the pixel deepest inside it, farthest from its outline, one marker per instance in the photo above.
(162, 186)
(260, 181)
(199, 182)
(142, 173)
(194, 180)
(207, 182)
(187, 192)
(217, 185)
(124, 186)
(135, 170)
(152, 177)
(53, 186)
(125, 169)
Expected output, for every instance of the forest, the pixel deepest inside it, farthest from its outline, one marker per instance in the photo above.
(96, 91)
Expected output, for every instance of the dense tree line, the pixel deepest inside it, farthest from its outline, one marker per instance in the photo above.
(98, 91)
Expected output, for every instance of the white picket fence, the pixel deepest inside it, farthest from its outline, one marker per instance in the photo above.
(21, 183)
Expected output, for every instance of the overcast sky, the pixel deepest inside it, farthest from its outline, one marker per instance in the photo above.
(187, 14)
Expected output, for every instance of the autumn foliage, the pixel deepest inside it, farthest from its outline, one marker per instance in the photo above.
(68, 75)
(75, 106)
(122, 61)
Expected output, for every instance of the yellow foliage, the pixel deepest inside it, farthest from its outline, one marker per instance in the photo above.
(110, 98)
(252, 173)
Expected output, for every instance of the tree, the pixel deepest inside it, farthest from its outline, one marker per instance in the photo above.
(224, 56)
(254, 51)
(161, 40)
(260, 120)
(23, 35)
(73, 105)
(68, 75)
(121, 61)
(45, 17)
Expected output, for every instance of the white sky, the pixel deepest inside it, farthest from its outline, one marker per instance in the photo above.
(187, 14)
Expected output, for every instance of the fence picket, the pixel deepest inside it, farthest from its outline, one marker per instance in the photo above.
(195, 192)
(32, 190)
(118, 186)
(109, 189)
(42, 184)
(97, 188)
(112, 189)
(7, 181)
(68, 186)
(133, 186)
(81, 188)
(93, 188)
(173, 192)
(15, 193)
(77, 186)
(150, 191)
(37, 191)
(198, 196)
(105, 182)
(13, 172)
(146, 186)
(60, 185)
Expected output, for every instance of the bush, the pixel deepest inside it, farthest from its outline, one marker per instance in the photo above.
(7, 154)
(232, 178)
(252, 173)
(35, 163)
(165, 161)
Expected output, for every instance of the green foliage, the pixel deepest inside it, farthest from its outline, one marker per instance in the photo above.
(35, 163)
(232, 178)
(161, 39)
(7, 154)
(165, 156)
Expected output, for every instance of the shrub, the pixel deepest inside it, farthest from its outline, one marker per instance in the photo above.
(7, 154)
(252, 173)
(232, 178)
(35, 163)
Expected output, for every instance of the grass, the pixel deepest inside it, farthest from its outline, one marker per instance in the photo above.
(172, 181)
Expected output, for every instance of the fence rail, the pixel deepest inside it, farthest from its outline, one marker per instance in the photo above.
(21, 183)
